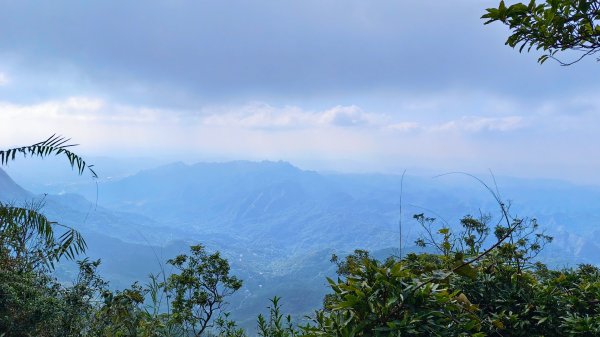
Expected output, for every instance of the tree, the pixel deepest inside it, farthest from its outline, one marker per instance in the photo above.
(200, 288)
(554, 26)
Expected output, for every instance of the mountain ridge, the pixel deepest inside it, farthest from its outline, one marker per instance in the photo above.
(10, 190)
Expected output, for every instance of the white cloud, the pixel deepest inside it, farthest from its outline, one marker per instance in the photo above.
(404, 126)
(347, 116)
(70, 109)
(82, 104)
(482, 124)
(258, 116)
(264, 116)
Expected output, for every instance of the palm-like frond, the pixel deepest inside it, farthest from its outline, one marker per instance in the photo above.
(13, 218)
(20, 220)
(27, 224)
(54, 145)
(70, 244)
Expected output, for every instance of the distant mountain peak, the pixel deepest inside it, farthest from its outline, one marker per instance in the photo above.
(243, 165)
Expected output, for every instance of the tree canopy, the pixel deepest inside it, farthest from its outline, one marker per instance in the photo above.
(553, 26)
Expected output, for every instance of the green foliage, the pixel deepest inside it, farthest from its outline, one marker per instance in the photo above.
(464, 289)
(386, 299)
(79, 300)
(197, 294)
(227, 327)
(351, 261)
(27, 303)
(121, 313)
(34, 304)
(200, 288)
(553, 26)
(276, 325)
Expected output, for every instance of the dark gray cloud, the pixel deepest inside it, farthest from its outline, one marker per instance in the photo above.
(183, 53)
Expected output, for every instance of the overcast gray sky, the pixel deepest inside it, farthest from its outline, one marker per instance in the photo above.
(337, 85)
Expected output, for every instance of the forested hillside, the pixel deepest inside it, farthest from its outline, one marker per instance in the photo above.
(475, 277)
(279, 225)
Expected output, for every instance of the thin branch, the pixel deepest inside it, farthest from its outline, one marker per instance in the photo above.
(400, 214)
(505, 215)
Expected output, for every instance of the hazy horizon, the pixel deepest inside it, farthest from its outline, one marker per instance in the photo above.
(333, 86)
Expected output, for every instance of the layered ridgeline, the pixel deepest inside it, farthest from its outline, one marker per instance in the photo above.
(278, 225)
(9, 190)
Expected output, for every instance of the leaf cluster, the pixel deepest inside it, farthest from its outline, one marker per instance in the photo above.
(552, 26)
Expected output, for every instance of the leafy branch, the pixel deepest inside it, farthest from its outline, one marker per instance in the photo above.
(552, 26)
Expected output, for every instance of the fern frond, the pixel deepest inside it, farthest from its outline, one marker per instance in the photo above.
(54, 145)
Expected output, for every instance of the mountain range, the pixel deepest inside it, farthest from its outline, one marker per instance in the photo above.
(278, 225)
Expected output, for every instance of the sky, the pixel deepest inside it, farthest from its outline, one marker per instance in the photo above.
(343, 85)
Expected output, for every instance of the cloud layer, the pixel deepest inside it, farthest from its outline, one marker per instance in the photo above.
(337, 84)
(522, 139)
(182, 53)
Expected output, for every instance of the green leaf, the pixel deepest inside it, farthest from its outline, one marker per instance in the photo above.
(467, 271)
